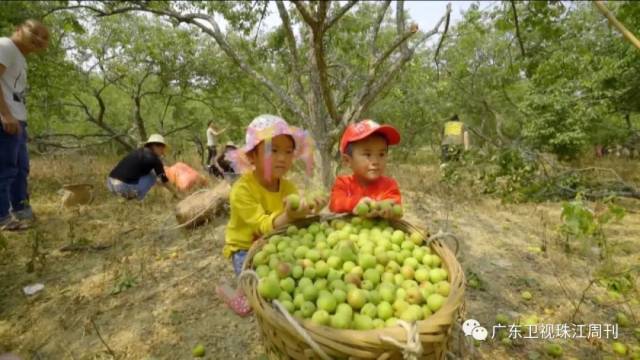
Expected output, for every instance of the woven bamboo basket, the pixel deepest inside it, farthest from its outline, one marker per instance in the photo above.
(283, 341)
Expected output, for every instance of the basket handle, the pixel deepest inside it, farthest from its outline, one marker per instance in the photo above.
(412, 350)
(301, 331)
(443, 235)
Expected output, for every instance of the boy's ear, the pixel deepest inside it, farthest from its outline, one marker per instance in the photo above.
(346, 160)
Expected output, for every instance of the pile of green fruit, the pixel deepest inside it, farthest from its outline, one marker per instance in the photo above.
(352, 274)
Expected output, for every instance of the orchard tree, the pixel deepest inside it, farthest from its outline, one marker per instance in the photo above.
(313, 90)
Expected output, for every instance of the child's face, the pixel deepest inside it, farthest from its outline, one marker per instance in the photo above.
(282, 149)
(368, 158)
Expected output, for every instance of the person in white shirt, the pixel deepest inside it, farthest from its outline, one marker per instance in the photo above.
(212, 132)
(29, 37)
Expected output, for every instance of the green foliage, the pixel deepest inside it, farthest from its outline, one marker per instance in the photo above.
(586, 225)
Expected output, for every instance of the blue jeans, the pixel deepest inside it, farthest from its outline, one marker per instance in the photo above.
(238, 260)
(14, 170)
(131, 191)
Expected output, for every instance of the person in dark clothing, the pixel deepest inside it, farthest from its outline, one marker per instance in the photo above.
(137, 172)
(221, 165)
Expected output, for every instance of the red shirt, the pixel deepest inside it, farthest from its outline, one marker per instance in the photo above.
(347, 192)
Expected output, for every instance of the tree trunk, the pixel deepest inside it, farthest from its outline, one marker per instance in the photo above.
(142, 131)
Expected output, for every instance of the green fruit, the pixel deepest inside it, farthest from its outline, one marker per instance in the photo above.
(198, 351)
(310, 273)
(412, 313)
(260, 258)
(390, 322)
(378, 323)
(362, 209)
(502, 319)
(622, 319)
(619, 348)
(374, 297)
(397, 211)
(416, 238)
(397, 237)
(322, 269)
(373, 276)
(356, 298)
(399, 306)
(340, 321)
(367, 261)
(553, 350)
(294, 201)
(298, 300)
(327, 303)
(288, 284)
(344, 309)
(334, 262)
(437, 275)
(413, 263)
(421, 275)
(308, 308)
(292, 230)
(289, 306)
(387, 292)
(443, 288)
(435, 302)
(414, 296)
(348, 266)
(352, 279)
(262, 271)
(310, 293)
(426, 312)
(362, 322)
(407, 272)
(284, 296)
(340, 295)
(313, 255)
(384, 310)
(370, 310)
(321, 317)
(321, 284)
(269, 288)
(300, 252)
(526, 295)
(334, 275)
(302, 283)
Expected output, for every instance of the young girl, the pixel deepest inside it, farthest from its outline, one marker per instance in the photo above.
(258, 197)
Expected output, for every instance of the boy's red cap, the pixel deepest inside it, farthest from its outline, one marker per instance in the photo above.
(364, 128)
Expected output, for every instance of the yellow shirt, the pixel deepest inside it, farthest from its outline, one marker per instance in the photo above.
(253, 209)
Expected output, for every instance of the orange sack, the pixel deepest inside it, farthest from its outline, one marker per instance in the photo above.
(184, 177)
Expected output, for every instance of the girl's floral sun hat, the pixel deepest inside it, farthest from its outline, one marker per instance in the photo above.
(264, 128)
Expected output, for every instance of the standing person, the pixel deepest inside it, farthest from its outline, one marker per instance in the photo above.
(136, 174)
(455, 140)
(212, 133)
(221, 164)
(29, 37)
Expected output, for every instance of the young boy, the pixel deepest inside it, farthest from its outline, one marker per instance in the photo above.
(364, 147)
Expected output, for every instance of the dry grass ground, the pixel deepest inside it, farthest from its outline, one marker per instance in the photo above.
(149, 293)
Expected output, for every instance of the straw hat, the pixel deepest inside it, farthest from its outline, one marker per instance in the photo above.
(156, 139)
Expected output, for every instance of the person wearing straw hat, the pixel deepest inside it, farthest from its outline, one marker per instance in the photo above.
(137, 172)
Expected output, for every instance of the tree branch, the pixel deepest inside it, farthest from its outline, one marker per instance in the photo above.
(180, 128)
(617, 24)
(304, 12)
(339, 13)
(382, 10)
(215, 32)
(400, 24)
(293, 50)
(376, 83)
(515, 19)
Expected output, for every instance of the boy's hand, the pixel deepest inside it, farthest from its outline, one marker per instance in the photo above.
(316, 203)
(368, 202)
(299, 212)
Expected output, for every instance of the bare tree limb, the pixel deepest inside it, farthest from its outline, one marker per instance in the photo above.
(214, 31)
(515, 19)
(382, 10)
(304, 12)
(338, 14)
(618, 25)
(179, 128)
(293, 50)
(400, 24)
(435, 57)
